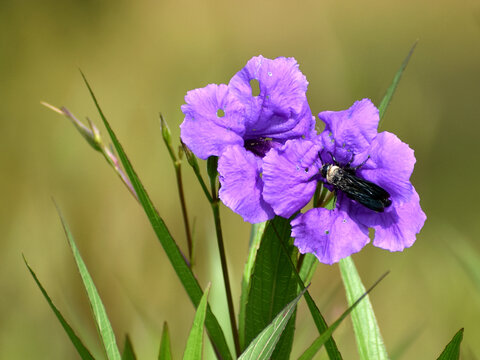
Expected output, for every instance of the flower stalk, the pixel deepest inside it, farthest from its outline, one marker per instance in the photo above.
(211, 165)
(177, 164)
(94, 138)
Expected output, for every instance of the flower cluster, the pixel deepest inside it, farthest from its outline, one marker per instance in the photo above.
(271, 160)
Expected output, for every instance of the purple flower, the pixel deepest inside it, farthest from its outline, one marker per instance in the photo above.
(291, 173)
(240, 127)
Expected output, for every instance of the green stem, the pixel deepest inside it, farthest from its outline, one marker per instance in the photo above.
(178, 173)
(223, 260)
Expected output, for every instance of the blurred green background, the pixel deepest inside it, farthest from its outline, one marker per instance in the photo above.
(141, 57)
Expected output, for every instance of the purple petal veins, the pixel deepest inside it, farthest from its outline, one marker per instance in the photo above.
(289, 175)
(330, 235)
(241, 184)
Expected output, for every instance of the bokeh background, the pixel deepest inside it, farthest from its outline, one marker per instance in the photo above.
(141, 57)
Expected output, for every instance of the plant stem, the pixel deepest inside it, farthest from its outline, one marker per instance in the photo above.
(178, 173)
(223, 260)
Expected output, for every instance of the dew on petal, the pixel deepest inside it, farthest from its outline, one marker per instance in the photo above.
(269, 73)
(327, 232)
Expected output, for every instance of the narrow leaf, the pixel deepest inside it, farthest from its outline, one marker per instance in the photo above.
(81, 349)
(262, 347)
(396, 80)
(320, 341)
(172, 250)
(193, 350)
(255, 238)
(100, 315)
(272, 286)
(128, 353)
(452, 350)
(165, 352)
(369, 340)
(320, 323)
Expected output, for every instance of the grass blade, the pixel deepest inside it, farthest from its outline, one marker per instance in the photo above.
(262, 347)
(391, 90)
(128, 353)
(165, 352)
(81, 349)
(319, 320)
(369, 340)
(193, 350)
(174, 254)
(100, 315)
(452, 350)
(255, 238)
(320, 341)
(272, 285)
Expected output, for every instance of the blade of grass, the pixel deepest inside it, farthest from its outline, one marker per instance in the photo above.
(255, 238)
(320, 341)
(193, 350)
(396, 80)
(128, 353)
(100, 315)
(452, 350)
(272, 285)
(171, 248)
(367, 333)
(262, 347)
(165, 352)
(319, 320)
(81, 349)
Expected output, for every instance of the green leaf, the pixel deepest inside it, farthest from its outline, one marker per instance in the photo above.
(391, 90)
(369, 340)
(272, 285)
(320, 323)
(262, 347)
(320, 341)
(255, 238)
(100, 315)
(128, 353)
(193, 350)
(452, 350)
(81, 349)
(165, 352)
(172, 250)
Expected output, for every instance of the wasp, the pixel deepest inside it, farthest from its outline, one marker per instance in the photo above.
(363, 191)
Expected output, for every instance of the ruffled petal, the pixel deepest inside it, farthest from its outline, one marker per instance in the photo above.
(330, 235)
(280, 110)
(241, 184)
(390, 166)
(213, 121)
(396, 228)
(289, 176)
(349, 131)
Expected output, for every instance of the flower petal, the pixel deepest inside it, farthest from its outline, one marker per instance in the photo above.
(289, 176)
(349, 131)
(205, 131)
(396, 228)
(241, 184)
(390, 166)
(280, 110)
(330, 235)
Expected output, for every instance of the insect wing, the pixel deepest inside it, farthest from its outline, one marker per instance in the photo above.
(365, 192)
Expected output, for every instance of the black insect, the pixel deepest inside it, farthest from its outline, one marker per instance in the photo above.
(365, 192)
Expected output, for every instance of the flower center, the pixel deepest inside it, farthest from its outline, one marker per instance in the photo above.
(258, 146)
